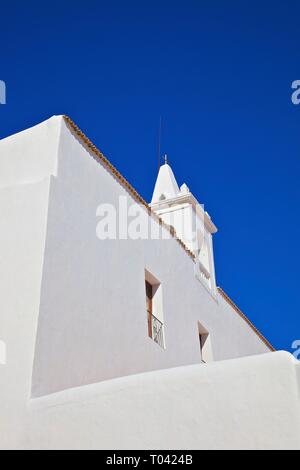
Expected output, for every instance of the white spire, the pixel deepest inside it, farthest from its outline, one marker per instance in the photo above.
(166, 186)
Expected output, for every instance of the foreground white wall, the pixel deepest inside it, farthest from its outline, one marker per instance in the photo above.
(26, 163)
(250, 403)
(23, 220)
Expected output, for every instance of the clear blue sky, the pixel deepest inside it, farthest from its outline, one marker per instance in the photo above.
(220, 73)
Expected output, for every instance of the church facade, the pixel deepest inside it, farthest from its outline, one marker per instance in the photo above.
(79, 309)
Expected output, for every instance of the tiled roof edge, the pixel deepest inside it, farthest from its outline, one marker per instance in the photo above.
(85, 140)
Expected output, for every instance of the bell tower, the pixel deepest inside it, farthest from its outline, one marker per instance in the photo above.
(192, 224)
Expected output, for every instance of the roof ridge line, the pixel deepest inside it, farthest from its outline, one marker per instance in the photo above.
(124, 182)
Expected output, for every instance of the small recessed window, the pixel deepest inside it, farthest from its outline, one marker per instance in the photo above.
(206, 353)
(154, 309)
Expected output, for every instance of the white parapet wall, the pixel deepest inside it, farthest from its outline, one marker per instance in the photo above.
(249, 403)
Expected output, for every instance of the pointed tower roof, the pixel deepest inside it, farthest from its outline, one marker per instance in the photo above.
(166, 186)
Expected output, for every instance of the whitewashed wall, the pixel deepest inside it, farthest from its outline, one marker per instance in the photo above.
(92, 323)
(26, 162)
(75, 307)
(23, 220)
(249, 403)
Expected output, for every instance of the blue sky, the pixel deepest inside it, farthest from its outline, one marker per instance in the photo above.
(220, 74)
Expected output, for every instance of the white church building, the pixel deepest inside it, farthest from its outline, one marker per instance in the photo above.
(113, 339)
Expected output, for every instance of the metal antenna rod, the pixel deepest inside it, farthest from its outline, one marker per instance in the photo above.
(159, 142)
